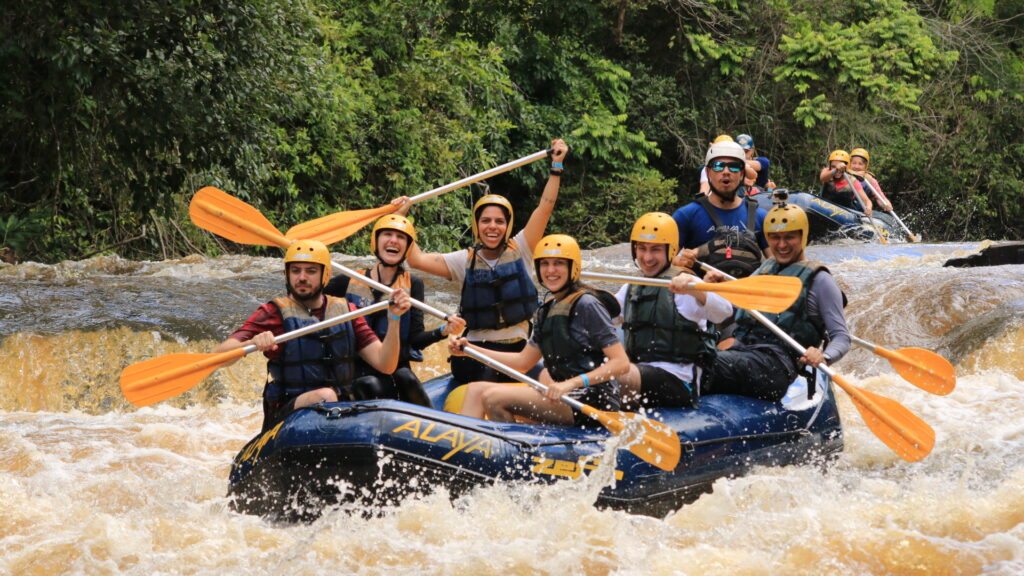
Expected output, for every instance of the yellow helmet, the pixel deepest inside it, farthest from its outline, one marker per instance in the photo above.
(559, 246)
(393, 222)
(841, 155)
(656, 228)
(310, 251)
(722, 138)
(785, 218)
(491, 200)
(863, 154)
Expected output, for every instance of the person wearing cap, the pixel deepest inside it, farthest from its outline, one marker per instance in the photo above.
(667, 336)
(859, 161)
(840, 189)
(498, 297)
(705, 185)
(722, 229)
(317, 367)
(390, 240)
(759, 164)
(572, 332)
(759, 364)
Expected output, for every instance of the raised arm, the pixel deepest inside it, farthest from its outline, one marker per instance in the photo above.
(538, 222)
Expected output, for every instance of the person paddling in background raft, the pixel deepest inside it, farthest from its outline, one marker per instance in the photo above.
(318, 367)
(390, 240)
(574, 334)
(666, 335)
(760, 364)
(839, 188)
(722, 229)
(705, 185)
(859, 160)
(498, 296)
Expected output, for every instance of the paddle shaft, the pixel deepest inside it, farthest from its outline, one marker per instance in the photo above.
(853, 391)
(665, 283)
(387, 289)
(911, 235)
(299, 333)
(481, 176)
(513, 373)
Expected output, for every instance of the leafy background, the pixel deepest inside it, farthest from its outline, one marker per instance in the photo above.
(113, 114)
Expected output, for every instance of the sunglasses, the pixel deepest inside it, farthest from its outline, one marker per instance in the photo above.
(719, 166)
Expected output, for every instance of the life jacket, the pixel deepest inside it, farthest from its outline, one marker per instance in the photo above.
(323, 358)
(794, 320)
(497, 297)
(841, 192)
(735, 252)
(378, 321)
(655, 331)
(564, 355)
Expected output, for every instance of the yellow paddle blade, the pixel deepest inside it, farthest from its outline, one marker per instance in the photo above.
(765, 293)
(154, 380)
(659, 444)
(900, 429)
(221, 213)
(338, 226)
(923, 368)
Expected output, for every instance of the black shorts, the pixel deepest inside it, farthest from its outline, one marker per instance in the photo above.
(762, 371)
(604, 396)
(661, 388)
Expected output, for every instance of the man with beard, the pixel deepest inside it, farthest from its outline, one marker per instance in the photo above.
(722, 229)
(318, 367)
(760, 364)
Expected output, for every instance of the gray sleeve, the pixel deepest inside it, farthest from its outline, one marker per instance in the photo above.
(593, 324)
(825, 303)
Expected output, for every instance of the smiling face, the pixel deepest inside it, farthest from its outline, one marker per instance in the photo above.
(392, 246)
(492, 226)
(553, 273)
(305, 280)
(651, 258)
(786, 246)
(857, 164)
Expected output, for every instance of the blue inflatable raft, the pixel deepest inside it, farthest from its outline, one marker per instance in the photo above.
(374, 453)
(831, 221)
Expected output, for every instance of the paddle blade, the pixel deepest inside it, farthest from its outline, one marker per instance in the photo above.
(221, 213)
(336, 227)
(658, 444)
(154, 380)
(900, 429)
(924, 369)
(764, 293)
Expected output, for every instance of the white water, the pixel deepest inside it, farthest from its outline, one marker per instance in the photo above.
(91, 485)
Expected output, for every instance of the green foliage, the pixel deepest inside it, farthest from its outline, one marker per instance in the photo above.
(112, 115)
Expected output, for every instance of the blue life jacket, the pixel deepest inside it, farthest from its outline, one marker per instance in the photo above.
(323, 358)
(497, 297)
(378, 321)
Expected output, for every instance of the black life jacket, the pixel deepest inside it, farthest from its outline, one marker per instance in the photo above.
(564, 356)
(735, 252)
(655, 331)
(794, 320)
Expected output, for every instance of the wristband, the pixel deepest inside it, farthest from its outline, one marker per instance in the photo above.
(554, 172)
(440, 329)
(557, 165)
(586, 380)
(394, 317)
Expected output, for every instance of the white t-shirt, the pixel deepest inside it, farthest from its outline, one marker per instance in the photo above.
(456, 262)
(717, 309)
